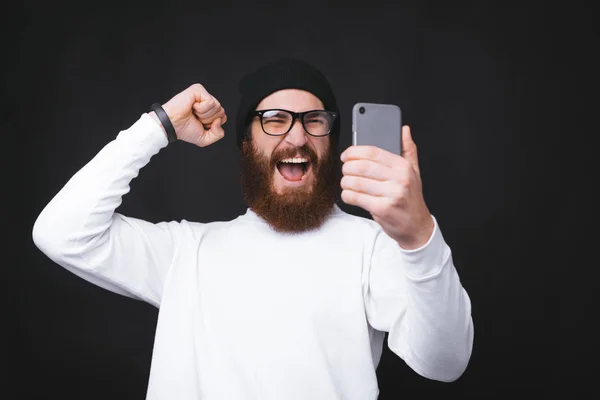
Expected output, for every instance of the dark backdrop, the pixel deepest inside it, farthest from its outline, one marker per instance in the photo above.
(481, 84)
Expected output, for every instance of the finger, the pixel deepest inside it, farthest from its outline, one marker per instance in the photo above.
(370, 186)
(206, 123)
(199, 92)
(204, 107)
(208, 103)
(371, 153)
(207, 120)
(211, 114)
(367, 169)
(217, 102)
(409, 149)
(216, 129)
(221, 114)
(367, 202)
(216, 105)
(211, 135)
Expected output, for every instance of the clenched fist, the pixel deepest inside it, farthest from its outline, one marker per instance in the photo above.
(196, 116)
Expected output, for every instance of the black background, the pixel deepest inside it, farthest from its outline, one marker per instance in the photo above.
(496, 97)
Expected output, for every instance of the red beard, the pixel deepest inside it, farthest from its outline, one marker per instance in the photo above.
(295, 209)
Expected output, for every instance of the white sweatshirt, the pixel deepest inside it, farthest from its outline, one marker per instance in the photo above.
(249, 313)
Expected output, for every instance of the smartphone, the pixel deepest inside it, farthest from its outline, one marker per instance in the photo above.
(377, 125)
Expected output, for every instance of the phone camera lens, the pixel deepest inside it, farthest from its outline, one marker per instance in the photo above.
(361, 110)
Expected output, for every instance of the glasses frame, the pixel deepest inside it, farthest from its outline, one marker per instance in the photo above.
(295, 116)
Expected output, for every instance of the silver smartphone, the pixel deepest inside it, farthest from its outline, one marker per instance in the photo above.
(377, 125)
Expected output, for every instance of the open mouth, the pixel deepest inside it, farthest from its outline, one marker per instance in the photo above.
(294, 169)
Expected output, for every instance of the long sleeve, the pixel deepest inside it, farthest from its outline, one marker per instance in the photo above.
(80, 230)
(418, 298)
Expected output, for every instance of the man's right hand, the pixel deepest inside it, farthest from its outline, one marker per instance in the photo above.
(196, 116)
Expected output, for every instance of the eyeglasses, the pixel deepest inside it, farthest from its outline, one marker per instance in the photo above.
(278, 122)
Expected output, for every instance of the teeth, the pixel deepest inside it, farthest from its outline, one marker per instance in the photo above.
(296, 160)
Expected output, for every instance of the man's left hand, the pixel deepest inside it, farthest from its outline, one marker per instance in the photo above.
(389, 187)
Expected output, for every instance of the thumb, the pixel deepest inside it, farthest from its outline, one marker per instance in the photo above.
(215, 132)
(409, 149)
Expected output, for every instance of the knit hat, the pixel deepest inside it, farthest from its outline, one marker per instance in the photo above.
(285, 73)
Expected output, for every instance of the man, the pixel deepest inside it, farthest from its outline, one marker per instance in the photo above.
(292, 299)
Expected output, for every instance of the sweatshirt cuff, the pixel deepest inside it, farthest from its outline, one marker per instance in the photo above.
(145, 132)
(427, 261)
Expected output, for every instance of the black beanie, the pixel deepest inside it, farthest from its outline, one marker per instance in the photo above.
(285, 73)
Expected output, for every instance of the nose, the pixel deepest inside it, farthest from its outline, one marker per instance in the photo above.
(296, 136)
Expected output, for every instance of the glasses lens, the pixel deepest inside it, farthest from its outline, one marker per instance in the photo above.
(318, 123)
(276, 122)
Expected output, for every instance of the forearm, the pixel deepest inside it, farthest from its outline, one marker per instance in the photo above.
(436, 333)
(83, 209)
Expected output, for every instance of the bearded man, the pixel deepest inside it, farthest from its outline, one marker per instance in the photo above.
(292, 299)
